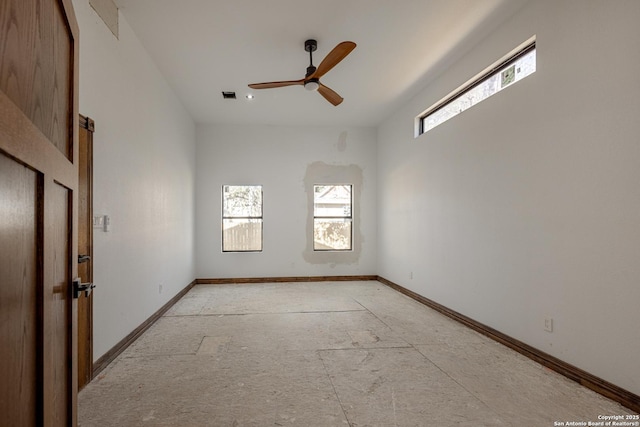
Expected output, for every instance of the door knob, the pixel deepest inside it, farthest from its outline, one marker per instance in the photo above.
(79, 287)
(83, 258)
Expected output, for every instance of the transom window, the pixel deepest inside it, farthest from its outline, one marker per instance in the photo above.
(332, 217)
(503, 74)
(242, 218)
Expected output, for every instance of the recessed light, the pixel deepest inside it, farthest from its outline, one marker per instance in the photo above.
(250, 96)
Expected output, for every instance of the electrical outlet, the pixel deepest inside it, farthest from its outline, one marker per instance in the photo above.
(159, 289)
(548, 324)
(411, 275)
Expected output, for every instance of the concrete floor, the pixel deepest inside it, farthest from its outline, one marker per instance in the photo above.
(325, 354)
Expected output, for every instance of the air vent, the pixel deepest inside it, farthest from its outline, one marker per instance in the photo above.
(229, 95)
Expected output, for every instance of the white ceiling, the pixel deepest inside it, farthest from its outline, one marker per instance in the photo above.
(204, 47)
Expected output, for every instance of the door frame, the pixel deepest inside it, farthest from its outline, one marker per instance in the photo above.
(85, 239)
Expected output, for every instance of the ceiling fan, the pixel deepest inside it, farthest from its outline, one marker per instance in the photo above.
(311, 80)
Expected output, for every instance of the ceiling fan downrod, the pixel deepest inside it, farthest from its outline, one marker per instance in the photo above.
(310, 46)
(312, 84)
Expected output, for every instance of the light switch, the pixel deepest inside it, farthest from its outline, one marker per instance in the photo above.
(102, 222)
(98, 221)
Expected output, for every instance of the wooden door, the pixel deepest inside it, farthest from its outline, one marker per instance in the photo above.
(85, 250)
(38, 212)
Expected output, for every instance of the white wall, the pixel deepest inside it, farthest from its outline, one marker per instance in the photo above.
(527, 205)
(286, 161)
(144, 179)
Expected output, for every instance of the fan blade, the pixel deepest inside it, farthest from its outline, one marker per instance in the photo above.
(270, 85)
(333, 58)
(330, 95)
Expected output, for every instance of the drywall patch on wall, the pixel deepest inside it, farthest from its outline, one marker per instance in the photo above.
(108, 12)
(319, 173)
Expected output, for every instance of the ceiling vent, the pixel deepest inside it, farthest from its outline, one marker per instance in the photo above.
(229, 95)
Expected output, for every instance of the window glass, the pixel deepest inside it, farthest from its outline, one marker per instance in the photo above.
(332, 218)
(242, 218)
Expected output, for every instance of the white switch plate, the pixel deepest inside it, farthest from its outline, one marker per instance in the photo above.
(102, 222)
(98, 221)
(548, 324)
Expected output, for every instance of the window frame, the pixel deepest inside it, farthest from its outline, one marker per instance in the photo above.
(325, 217)
(501, 65)
(250, 217)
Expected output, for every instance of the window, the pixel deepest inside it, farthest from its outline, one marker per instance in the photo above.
(332, 218)
(503, 74)
(242, 218)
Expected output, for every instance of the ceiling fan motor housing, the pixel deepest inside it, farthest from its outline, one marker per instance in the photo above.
(310, 70)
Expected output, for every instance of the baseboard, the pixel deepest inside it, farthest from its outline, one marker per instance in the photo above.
(233, 280)
(605, 388)
(109, 356)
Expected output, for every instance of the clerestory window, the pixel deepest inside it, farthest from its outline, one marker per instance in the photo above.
(501, 75)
